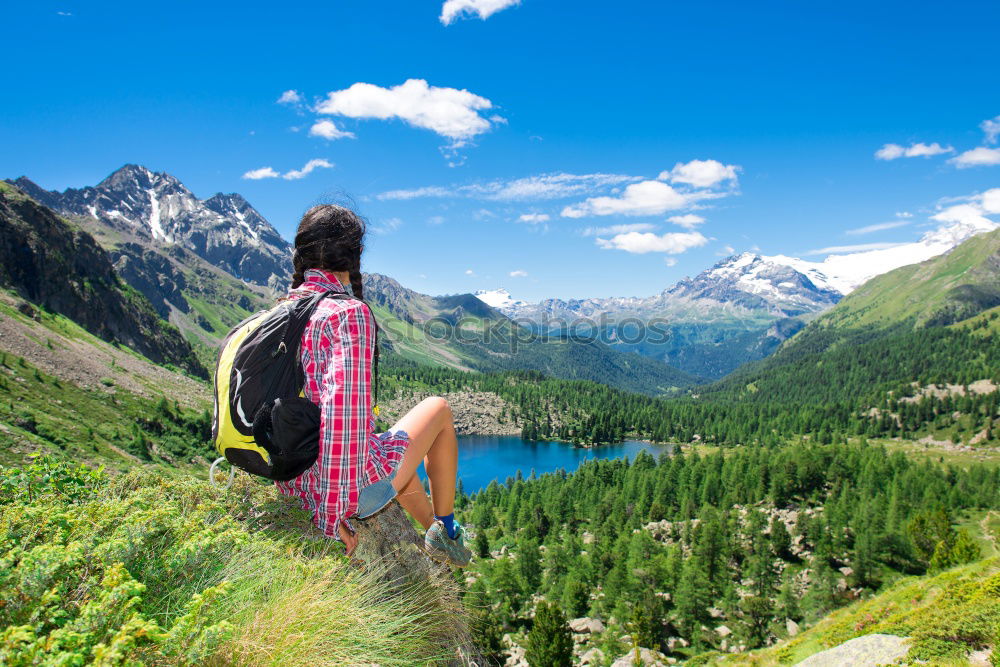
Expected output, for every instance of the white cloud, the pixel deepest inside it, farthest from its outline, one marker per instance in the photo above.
(308, 168)
(533, 218)
(258, 174)
(430, 191)
(619, 229)
(687, 221)
(860, 247)
(904, 214)
(528, 188)
(700, 173)
(452, 9)
(387, 226)
(977, 157)
(672, 243)
(877, 227)
(991, 128)
(644, 198)
(64, 13)
(670, 261)
(894, 151)
(971, 214)
(518, 274)
(290, 97)
(328, 130)
(470, 272)
(449, 112)
(990, 200)
(435, 220)
(726, 251)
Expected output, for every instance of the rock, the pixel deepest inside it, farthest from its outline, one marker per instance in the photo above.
(867, 651)
(515, 657)
(715, 612)
(846, 571)
(791, 627)
(388, 544)
(646, 657)
(591, 625)
(594, 656)
(723, 631)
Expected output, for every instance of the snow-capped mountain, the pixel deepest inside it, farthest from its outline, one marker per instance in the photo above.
(500, 299)
(846, 272)
(777, 284)
(223, 229)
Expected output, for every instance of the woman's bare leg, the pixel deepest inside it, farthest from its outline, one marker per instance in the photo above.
(433, 441)
(415, 501)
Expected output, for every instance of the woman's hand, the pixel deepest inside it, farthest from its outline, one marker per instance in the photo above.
(348, 537)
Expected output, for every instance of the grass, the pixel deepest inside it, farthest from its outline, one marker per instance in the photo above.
(179, 572)
(946, 615)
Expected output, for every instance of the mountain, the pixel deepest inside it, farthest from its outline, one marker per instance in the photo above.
(56, 266)
(737, 311)
(224, 229)
(927, 323)
(461, 331)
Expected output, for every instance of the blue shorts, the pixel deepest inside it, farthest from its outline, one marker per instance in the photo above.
(376, 496)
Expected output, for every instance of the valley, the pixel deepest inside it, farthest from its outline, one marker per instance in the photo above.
(794, 457)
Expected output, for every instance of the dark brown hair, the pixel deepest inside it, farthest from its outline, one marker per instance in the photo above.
(331, 238)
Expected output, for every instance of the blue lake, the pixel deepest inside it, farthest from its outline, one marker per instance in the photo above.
(483, 458)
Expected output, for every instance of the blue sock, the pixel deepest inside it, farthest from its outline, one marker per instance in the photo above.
(449, 524)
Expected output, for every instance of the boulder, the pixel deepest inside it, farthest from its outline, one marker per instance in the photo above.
(594, 656)
(646, 657)
(791, 627)
(723, 631)
(585, 624)
(867, 651)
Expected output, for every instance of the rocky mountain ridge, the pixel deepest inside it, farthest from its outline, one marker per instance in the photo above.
(224, 229)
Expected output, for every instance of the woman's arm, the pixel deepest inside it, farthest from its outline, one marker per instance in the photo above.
(345, 407)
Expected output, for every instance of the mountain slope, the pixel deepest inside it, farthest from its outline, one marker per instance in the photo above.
(224, 229)
(63, 269)
(892, 331)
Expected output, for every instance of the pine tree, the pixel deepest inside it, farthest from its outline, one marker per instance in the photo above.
(550, 643)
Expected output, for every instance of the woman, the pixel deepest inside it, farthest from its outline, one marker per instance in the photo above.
(359, 472)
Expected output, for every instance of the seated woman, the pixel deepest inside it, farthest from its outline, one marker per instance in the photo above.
(359, 472)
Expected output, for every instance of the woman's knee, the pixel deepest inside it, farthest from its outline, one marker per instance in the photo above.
(440, 407)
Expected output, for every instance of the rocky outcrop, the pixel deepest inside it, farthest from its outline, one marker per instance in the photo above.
(224, 229)
(152, 274)
(475, 412)
(867, 651)
(63, 269)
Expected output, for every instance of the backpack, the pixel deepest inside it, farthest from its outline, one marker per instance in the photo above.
(263, 424)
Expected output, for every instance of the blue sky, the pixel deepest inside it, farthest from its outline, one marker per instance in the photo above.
(590, 113)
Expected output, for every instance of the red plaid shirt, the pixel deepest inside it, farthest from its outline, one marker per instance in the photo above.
(336, 353)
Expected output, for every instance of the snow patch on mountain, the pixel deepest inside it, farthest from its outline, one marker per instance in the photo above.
(499, 299)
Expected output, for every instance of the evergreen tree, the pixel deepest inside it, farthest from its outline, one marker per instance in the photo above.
(550, 643)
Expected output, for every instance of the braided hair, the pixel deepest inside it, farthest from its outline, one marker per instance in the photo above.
(329, 237)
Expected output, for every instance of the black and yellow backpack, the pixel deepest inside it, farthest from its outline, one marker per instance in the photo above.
(263, 424)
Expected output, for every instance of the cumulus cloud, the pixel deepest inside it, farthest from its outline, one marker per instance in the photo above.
(991, 128)
(687, 221)
(529, 188)
(308, 168)
(877, 227)
(700, 173)
(672, 243)
(258, 174)
(533, 218)
(453, 9)
(619, 229)
(977, 157)
(894, 151)
(518, 274)
(290, 97)
(990, 200)
(328, 130)
(449, 112)
(644, 198)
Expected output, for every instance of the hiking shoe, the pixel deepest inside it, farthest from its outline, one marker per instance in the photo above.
(443, 548)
